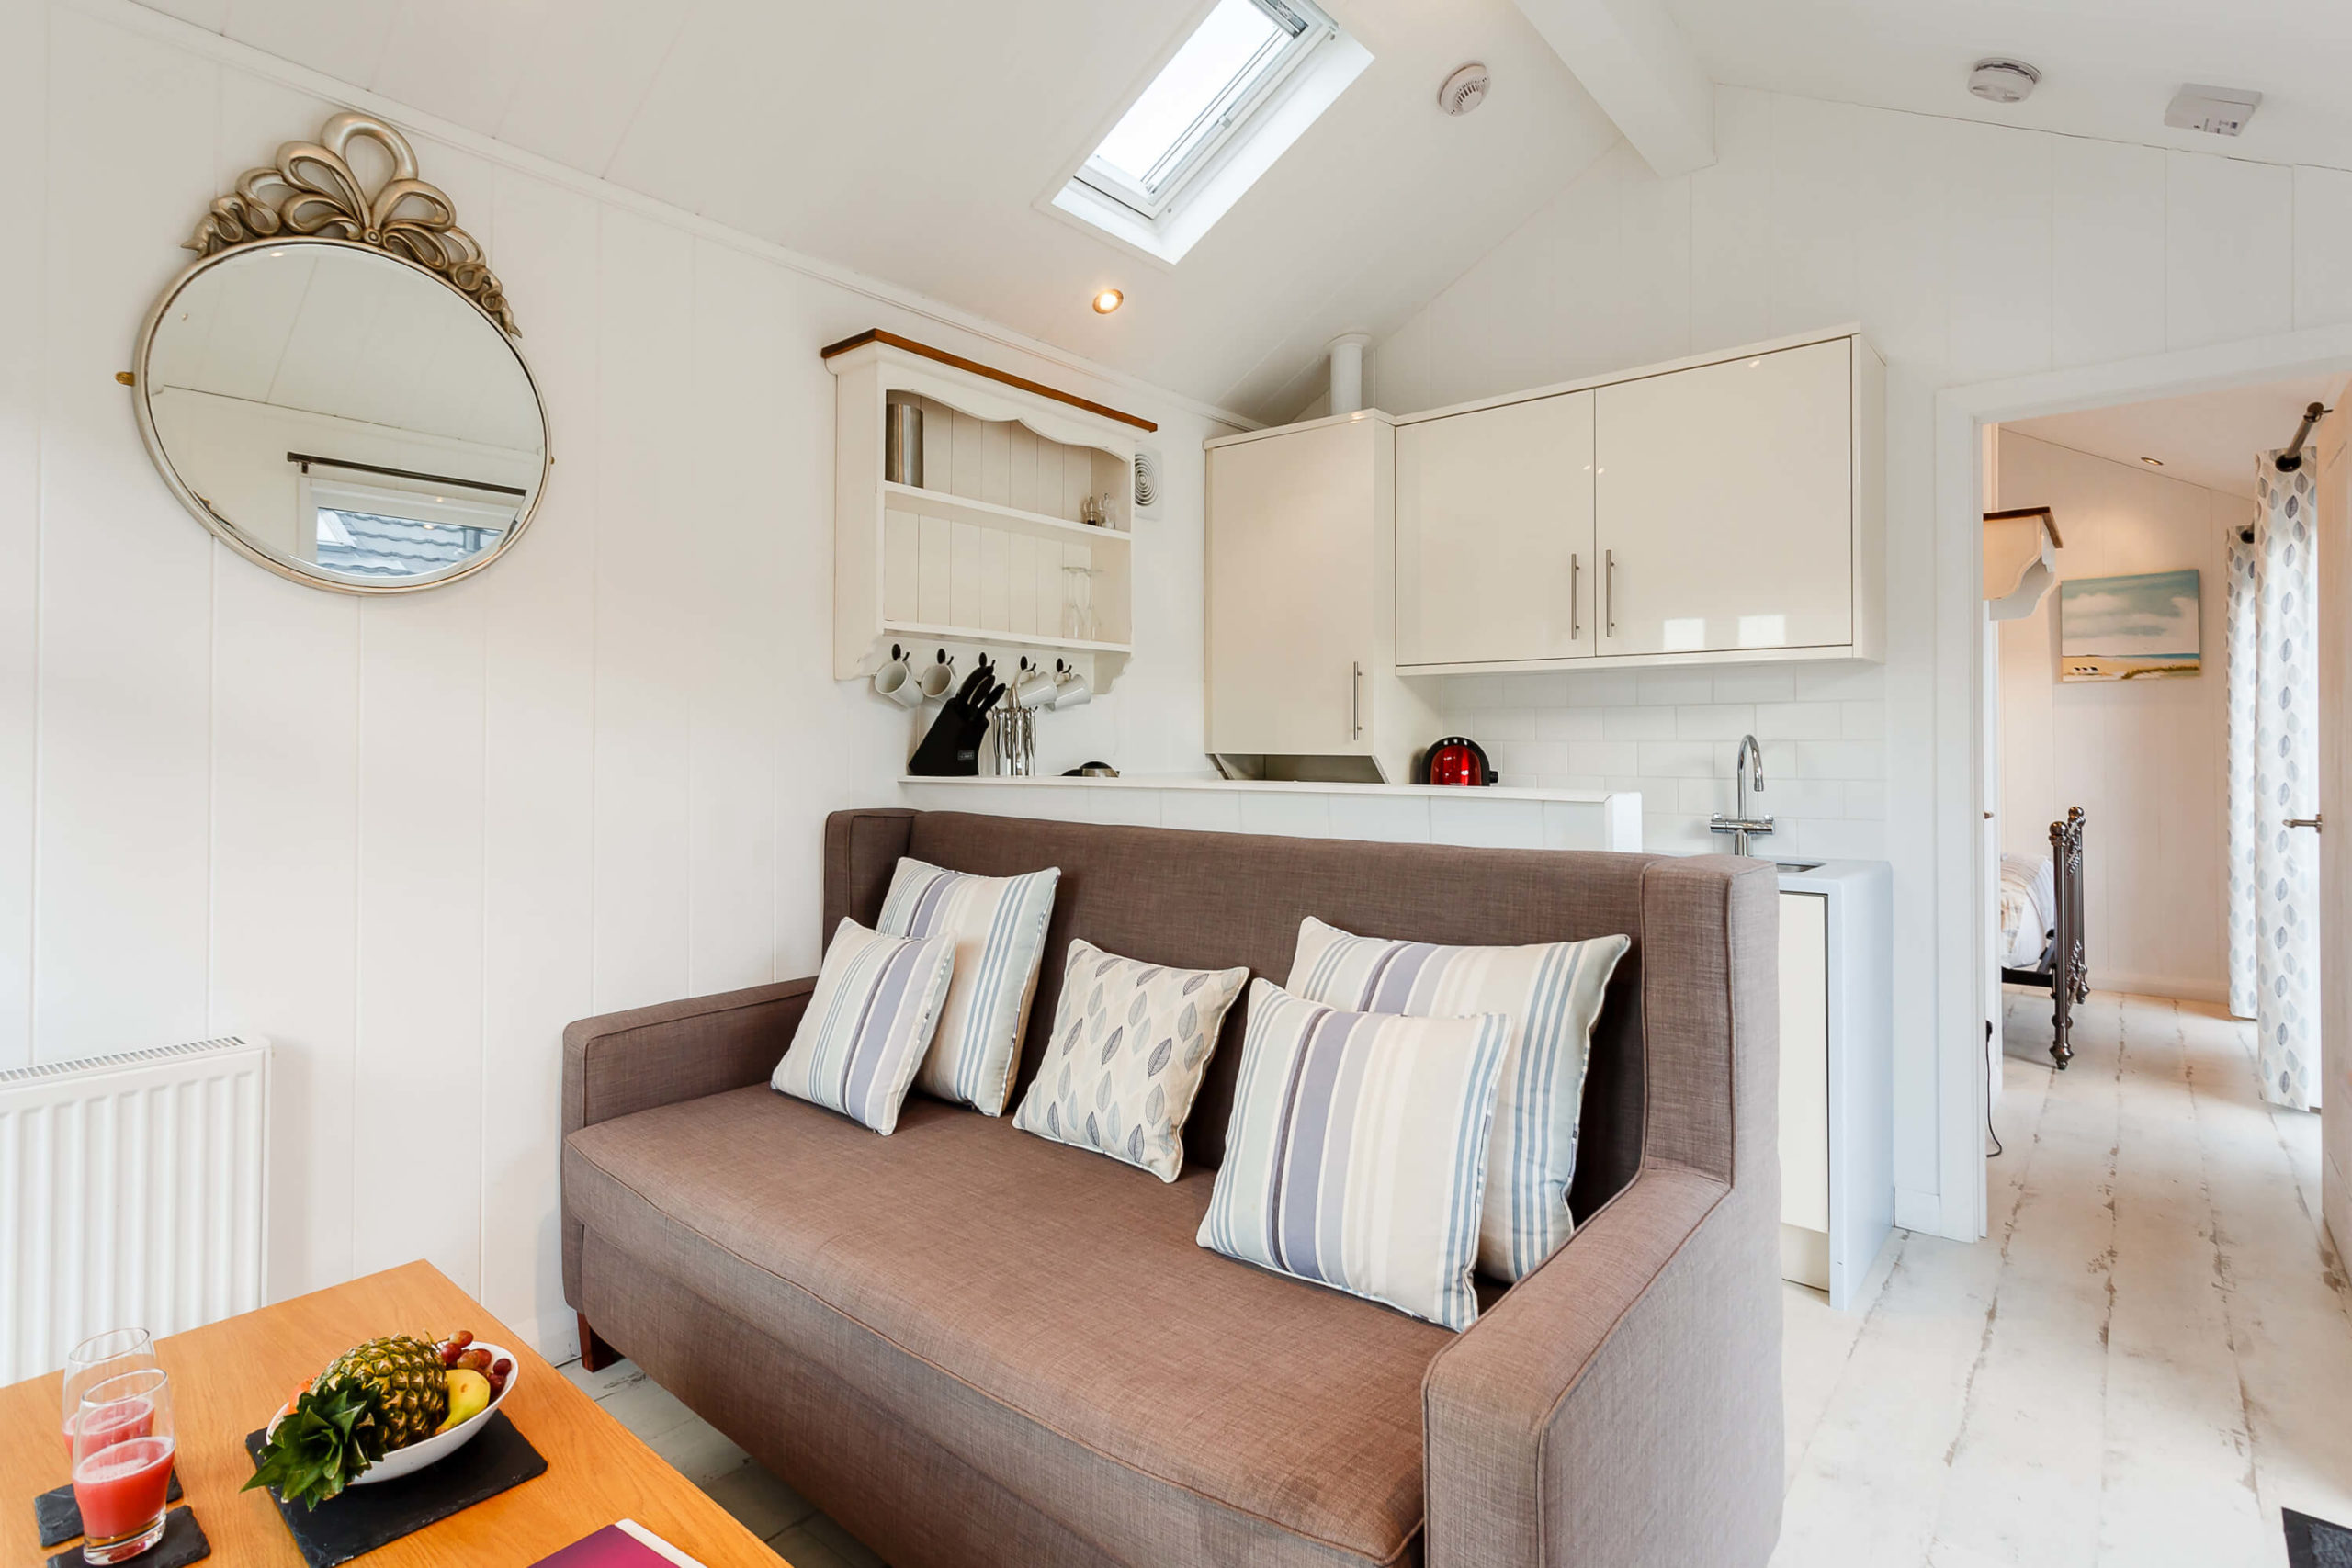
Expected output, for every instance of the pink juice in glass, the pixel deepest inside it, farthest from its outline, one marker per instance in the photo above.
(121, 1487)
(111, 1424)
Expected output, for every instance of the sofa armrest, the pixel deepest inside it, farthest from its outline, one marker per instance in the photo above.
(626, 1062)
(1621, 1404)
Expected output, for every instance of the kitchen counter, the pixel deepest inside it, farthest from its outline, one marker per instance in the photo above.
(1495, 816)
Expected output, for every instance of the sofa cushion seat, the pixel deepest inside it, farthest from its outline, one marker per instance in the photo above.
(1062, 1289)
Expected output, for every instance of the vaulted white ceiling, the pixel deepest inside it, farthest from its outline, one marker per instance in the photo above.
(912, 141)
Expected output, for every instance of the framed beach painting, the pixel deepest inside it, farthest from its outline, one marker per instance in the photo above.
(2127, 628)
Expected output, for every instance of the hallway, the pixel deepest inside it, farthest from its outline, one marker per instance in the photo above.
(2148, 1355)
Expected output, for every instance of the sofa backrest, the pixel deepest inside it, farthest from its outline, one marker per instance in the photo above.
(1216, 900)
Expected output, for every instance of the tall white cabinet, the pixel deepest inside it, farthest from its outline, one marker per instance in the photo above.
(1301, 589)
(1724, 509)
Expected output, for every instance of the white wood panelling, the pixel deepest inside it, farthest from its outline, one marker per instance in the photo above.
(123, 781)
(1976, 254)
(2230, 249)
(538, 752)
(2108, 219)
(24, 61)
(410, 838)
(2147, 759)
(417, 1111)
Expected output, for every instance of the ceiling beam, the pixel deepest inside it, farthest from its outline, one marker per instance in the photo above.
(1632, 59)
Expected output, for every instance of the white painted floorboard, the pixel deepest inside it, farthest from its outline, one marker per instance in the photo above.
(2149, 1355)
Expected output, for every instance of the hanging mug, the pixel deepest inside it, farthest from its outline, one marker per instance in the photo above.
(938, 677)
(1072, 690)
(1035, 688)
(896, 680)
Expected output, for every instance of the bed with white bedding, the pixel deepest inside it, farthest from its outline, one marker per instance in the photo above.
(2029, 909)
(2040, 905)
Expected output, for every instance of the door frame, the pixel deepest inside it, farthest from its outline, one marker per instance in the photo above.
(1953, 772)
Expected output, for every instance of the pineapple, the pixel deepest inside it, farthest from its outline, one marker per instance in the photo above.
(373, 1398)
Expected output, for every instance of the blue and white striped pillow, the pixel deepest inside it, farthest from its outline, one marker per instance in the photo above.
(1552, 992)
(1357, 1152)
(868, 1023)
(998, 924)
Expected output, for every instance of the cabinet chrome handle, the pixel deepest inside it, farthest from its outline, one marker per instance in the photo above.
(2311, 822)
(1609, 582)
(1355, 700)
(1575, 592)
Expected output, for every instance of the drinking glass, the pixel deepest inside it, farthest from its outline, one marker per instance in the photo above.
(123, 1447)
(97, 1359)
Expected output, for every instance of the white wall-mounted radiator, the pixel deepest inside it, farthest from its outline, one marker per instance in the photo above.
(133, 1192)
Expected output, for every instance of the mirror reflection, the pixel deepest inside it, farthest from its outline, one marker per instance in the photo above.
(352, 418)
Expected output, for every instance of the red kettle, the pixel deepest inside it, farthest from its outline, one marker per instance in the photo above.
(1458, 759)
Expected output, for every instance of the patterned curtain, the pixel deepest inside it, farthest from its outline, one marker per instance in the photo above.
(2274, 775)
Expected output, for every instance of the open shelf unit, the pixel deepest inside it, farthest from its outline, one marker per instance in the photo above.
(988, 552)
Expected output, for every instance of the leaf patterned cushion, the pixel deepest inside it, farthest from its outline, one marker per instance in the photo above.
(1131, 1044)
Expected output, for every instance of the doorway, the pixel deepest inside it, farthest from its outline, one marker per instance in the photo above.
(2154, 671)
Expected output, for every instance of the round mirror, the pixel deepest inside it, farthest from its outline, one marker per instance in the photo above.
(341, 414)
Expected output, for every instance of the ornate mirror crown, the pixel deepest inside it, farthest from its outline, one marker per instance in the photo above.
(312, 189)
(333, 388)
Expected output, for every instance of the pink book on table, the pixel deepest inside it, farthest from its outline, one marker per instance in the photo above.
(625, 1545)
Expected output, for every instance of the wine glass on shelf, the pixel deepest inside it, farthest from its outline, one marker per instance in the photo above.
(124, 1445)
(1078, 602)
(97, 1359)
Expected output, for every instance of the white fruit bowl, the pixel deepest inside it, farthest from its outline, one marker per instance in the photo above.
(441, 1445)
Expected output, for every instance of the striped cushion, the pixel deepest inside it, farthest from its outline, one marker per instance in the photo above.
(999, 927)
(1552, 993)
(1131, 1044)
(1358, 1149)
(868, 1023)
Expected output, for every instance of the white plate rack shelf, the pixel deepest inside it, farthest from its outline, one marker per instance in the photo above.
(990, 551)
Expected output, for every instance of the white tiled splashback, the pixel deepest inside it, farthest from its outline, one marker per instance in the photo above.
(1673, 734)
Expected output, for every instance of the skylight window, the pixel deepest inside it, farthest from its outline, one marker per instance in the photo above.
(1229, 101)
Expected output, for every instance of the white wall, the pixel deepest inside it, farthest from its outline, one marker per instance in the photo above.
(410, 838)
(2147, 760)
(1969, 253)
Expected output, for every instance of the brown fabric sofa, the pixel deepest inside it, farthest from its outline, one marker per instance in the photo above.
(972, 1346)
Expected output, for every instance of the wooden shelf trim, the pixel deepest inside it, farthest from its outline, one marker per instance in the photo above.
(875, 334)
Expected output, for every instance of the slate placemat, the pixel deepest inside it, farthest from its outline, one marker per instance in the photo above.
(2316, 1543)
(362, 1519)
(183, 1543)
(60, 1517)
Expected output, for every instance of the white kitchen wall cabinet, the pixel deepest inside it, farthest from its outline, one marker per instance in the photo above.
(1301, 605)
(990, 550)
(1494, 535)
(1719, 510)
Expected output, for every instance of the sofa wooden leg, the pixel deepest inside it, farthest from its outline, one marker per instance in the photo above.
(595, 1354)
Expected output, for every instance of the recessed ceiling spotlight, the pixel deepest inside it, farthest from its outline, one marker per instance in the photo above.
(1108, 301)
(2001, 81)
(1465, 89)
(2154, 462)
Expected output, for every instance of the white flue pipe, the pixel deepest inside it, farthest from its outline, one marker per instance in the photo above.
(1347, 370)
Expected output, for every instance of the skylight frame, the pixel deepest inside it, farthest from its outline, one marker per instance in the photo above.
(1237, 108)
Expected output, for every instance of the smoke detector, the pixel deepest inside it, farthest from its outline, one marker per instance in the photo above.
(2224, 111)
(1464, 90)
(1998, 80)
